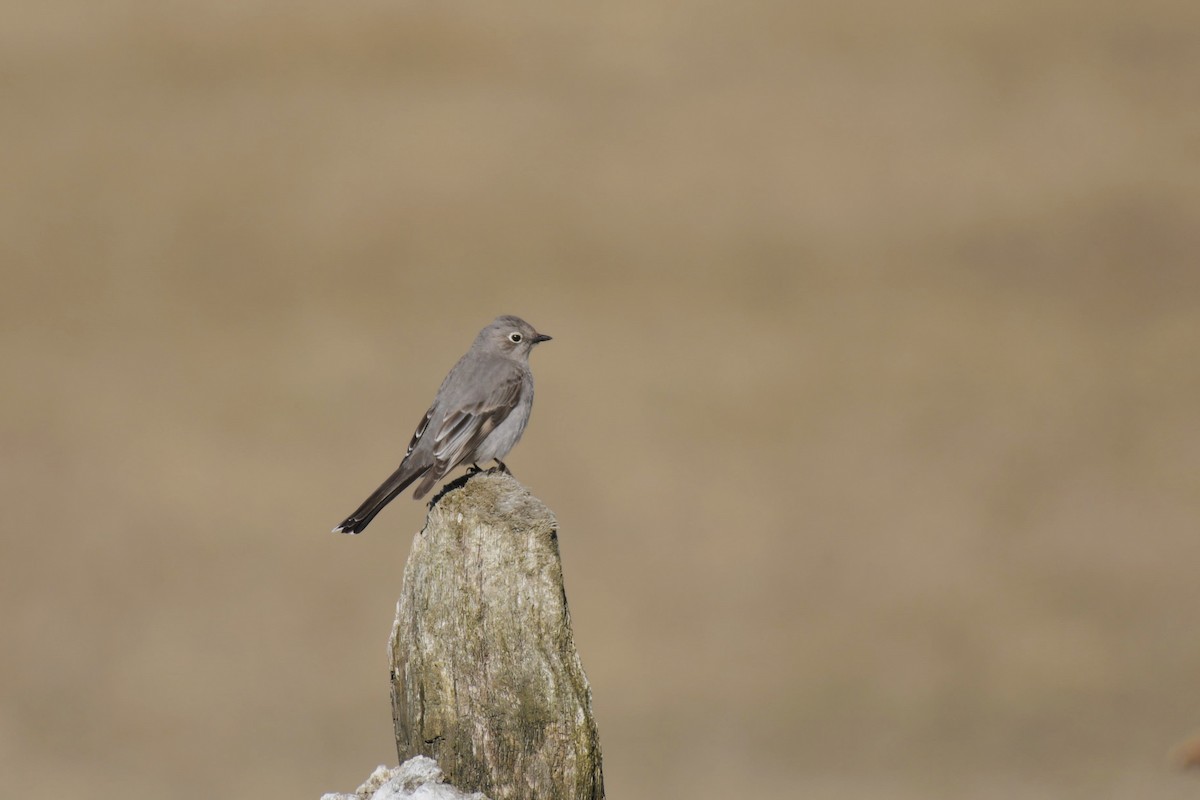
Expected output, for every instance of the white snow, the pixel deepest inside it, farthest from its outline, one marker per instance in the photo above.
(419, 778)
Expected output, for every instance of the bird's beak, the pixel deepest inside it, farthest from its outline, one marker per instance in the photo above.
(541, 337)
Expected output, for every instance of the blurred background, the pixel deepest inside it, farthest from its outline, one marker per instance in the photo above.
(870, 419)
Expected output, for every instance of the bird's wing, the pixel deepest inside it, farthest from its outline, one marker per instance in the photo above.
(466, 423)
(420, 431)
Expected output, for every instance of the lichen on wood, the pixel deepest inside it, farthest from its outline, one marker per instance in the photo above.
(485, 675)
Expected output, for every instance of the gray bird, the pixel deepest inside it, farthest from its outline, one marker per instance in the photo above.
(478, 415)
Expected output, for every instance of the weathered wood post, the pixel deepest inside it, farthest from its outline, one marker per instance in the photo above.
(485, 675)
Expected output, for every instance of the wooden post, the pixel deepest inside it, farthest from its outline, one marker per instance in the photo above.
(485, 675)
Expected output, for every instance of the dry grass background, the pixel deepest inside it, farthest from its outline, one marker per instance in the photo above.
(870, 419)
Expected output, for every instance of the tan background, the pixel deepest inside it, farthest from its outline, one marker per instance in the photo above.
(870, 418)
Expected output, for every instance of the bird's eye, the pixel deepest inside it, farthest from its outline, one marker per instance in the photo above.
(514, 337)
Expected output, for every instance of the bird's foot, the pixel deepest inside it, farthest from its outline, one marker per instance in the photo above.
(502, 467)
(471, 470)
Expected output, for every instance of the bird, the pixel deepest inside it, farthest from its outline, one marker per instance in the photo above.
(478, 415)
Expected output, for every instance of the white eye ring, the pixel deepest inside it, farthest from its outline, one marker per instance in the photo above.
(514, 337)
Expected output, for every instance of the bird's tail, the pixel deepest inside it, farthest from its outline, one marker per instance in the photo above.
(394, 485)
